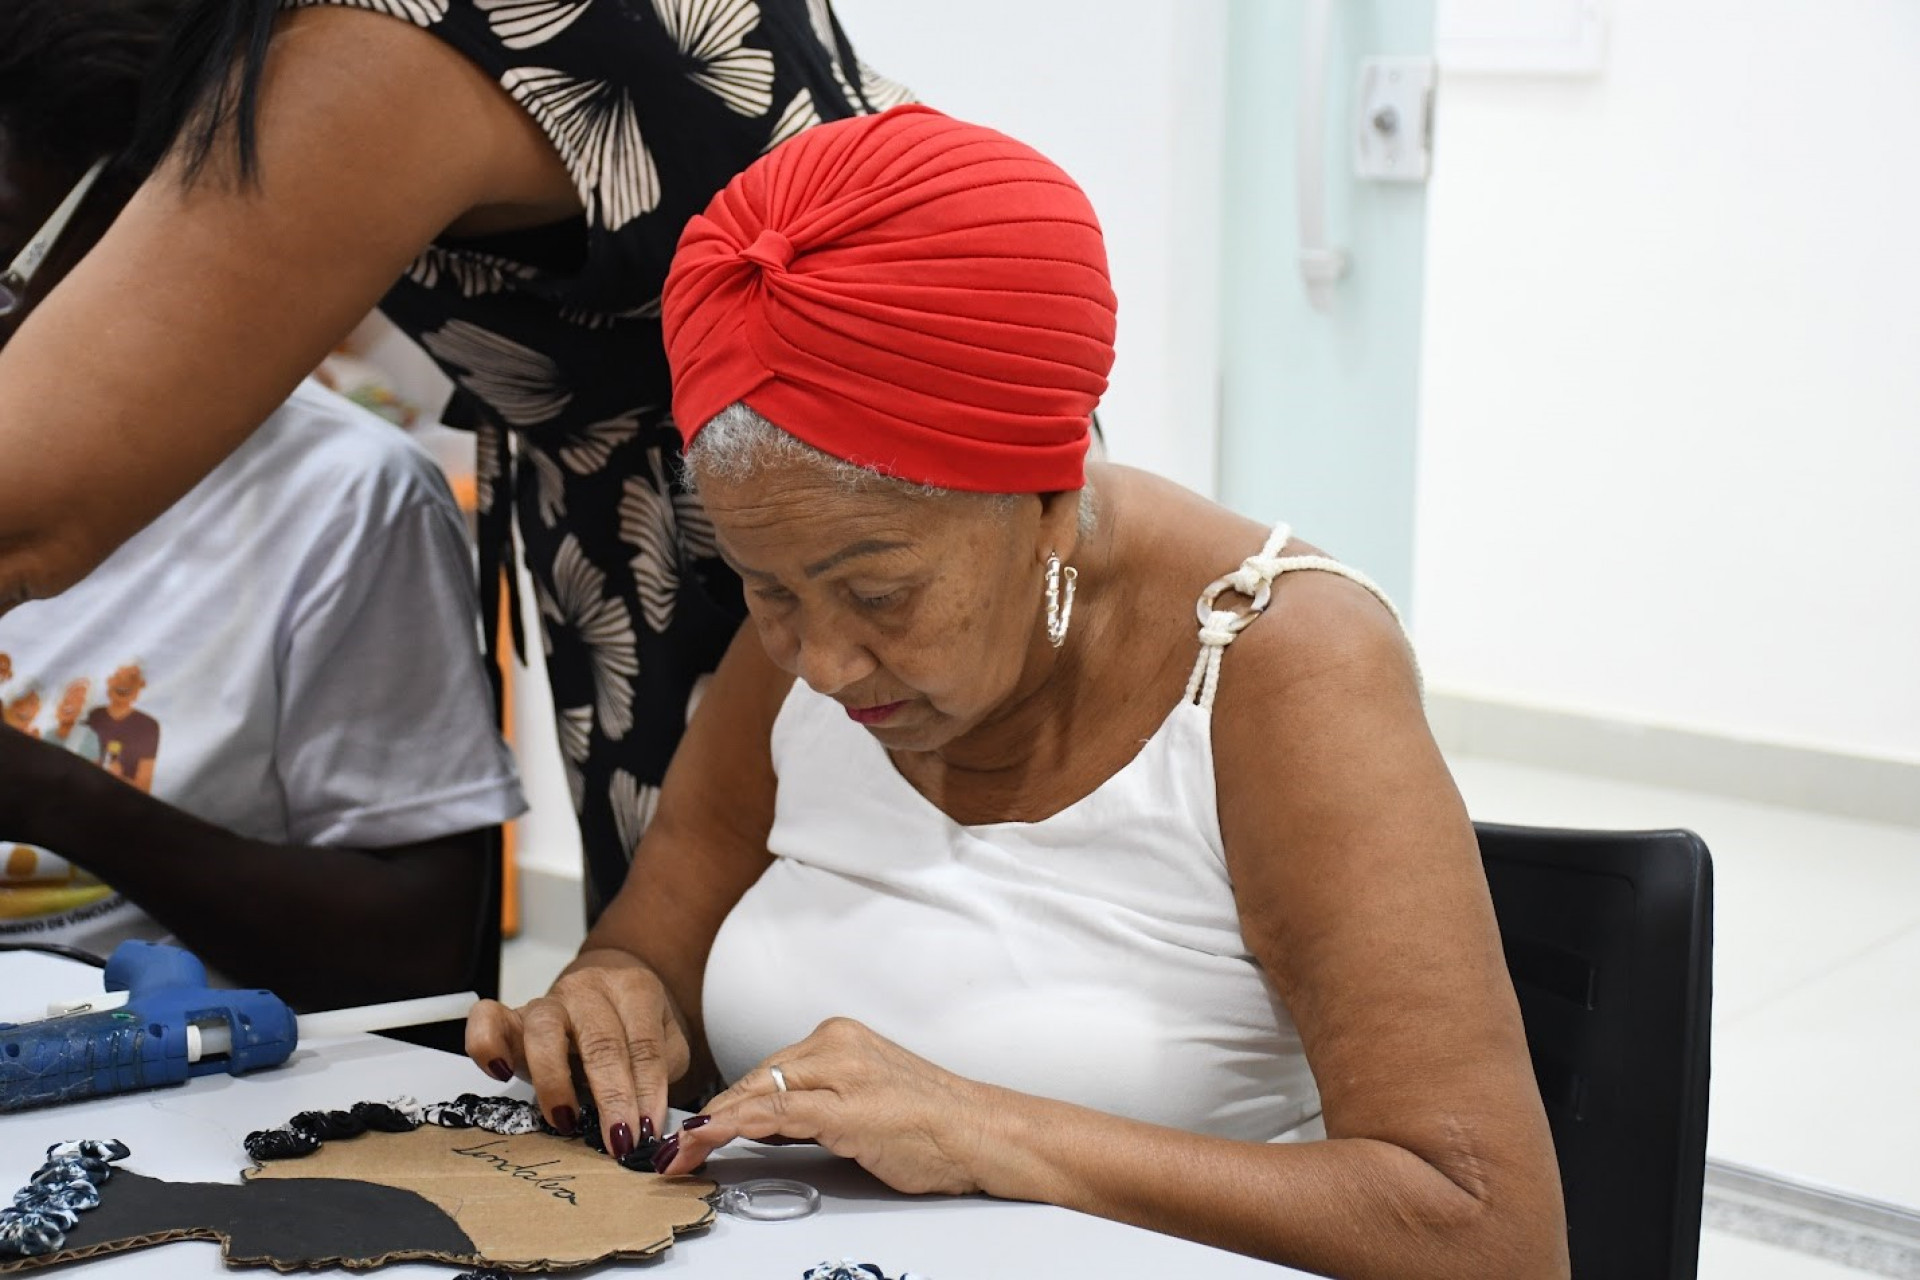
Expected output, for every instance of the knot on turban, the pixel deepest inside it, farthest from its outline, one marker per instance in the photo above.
(771, 250)
(907, 292)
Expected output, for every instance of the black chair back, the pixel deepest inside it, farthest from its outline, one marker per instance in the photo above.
(1609, 939)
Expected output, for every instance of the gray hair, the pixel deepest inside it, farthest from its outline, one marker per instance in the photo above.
(738, 441)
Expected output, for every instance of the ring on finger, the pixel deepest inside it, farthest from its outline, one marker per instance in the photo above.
(779, 1078)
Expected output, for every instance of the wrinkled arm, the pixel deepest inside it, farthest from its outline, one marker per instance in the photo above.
(629, 1006)
(294, 919)
(207, 302)
(1362, 895)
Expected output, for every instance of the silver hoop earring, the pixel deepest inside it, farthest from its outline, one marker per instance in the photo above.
(1059, 607)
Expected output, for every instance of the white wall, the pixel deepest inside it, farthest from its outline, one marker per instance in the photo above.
(1129, 97)
(1670, 456)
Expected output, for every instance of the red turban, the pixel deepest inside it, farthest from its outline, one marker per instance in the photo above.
(916, 295)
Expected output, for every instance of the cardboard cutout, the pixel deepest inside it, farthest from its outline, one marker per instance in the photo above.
(467, 1197)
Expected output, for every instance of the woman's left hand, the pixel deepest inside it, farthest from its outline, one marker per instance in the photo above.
(912, 1125)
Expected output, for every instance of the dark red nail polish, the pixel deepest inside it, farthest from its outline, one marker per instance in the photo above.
(566, 1121)
(499, 1070)
(695, 1122)
(665, 1156)
(620, 1141)
(647, 1132)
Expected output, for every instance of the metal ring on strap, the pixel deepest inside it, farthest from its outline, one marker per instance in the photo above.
(1204, 607)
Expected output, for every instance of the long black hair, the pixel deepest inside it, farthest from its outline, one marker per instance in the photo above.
(72, 71)
(205, 85)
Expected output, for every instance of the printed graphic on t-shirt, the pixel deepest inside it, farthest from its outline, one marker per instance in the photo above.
(111, 733)
(129, 739)
(318, 577)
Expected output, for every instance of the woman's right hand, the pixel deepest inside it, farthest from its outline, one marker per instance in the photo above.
(612, 1013)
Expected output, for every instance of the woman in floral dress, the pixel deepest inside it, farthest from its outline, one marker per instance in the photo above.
(506, 180)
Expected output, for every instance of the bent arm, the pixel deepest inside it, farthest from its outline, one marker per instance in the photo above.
(293, 918)
(1362, 896)
(205, 304)
(708, 841)
(629, 1005)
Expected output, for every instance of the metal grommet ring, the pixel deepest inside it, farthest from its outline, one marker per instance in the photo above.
(769, 1200)
(779, 1078)
(1204, 607)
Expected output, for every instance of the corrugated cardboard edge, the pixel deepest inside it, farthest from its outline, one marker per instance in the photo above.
(547, 1267)
(641, 1230)
(132, 1243)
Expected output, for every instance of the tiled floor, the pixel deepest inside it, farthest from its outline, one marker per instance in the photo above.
(1817, 984)
(1725, 1257)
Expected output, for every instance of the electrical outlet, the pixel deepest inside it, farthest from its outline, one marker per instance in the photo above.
(1393, 137)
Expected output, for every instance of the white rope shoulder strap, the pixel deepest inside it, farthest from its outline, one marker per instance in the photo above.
(1254, 580)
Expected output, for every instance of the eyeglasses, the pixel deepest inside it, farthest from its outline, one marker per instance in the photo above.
(19, 272)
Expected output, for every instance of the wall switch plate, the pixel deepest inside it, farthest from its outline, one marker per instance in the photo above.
(1393, 136)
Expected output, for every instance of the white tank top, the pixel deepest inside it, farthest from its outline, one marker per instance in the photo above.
(1094, 957)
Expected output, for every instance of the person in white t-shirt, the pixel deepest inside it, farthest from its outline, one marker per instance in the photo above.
(287, 660)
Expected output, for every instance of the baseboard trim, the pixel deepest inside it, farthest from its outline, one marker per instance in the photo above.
(1867, 1235)
(1865, 787)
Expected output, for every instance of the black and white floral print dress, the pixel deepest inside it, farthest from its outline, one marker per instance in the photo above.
(553, 338)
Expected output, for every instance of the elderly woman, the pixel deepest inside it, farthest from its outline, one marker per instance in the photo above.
(978, 864)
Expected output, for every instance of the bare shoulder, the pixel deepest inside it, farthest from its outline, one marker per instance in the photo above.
(1318, 623)
(1323, 635)
(1171, 532)
(1320, 737)
(1323, 689)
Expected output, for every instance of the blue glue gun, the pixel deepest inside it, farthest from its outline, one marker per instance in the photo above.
(171, 1026)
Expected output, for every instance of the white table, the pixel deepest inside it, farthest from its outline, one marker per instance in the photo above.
(194, 1133)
